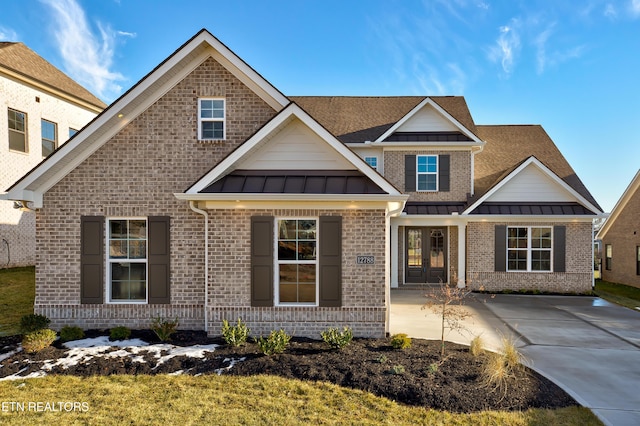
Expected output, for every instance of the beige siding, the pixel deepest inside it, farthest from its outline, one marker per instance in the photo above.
(427, 120)
(531, 185)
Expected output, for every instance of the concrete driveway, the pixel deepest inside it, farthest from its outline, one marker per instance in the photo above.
(589, 347)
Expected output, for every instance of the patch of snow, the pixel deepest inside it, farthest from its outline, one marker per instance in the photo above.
(232, 362)
(16, 376)
(10, 354)
(103, 341)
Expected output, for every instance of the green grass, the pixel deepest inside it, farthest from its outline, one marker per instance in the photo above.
(264, 400)
(17, 292)
(618, 293)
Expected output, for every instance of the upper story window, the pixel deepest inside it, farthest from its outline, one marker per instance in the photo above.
(529, 248)
(127, 260)
(17, 130)
(211, 118)
(427, 172)
(372, 161)
(49, 137)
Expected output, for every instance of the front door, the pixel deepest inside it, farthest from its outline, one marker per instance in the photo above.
(426, 255)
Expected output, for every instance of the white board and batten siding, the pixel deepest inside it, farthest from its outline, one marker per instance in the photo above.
(531, 185)
(427, 120)
(296, 147)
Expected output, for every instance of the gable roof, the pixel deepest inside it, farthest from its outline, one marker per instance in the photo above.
(373, 184)
(18, 61)
(551, 176)
(508, 147)
(627, 196)
(356, 119)
(150, 88)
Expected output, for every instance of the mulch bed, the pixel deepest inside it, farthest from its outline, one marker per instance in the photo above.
(413, 376)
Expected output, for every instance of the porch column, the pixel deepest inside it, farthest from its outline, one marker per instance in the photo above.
(394, 255)
(462, 256)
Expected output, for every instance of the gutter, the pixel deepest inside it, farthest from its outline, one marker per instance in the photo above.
(192, 206)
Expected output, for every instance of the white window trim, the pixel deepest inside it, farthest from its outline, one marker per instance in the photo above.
(428, 173)
(277, 262)
(216, 119)
(367, 157)
(108, 262)
(530, 249)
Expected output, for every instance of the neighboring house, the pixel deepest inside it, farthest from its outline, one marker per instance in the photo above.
(204, 193)
(41, 109)
(620, 238)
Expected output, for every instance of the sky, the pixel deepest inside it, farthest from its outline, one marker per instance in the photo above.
(571, 66)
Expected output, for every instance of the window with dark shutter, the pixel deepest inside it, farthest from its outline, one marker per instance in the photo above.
(91, 259)
(330, 261)
(262, 260)
(159, 260)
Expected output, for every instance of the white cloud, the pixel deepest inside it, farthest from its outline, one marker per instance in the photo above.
(7, 34)
(635, 8)
(541, 49)
(610, 11)
(507, 47)
(87, 54)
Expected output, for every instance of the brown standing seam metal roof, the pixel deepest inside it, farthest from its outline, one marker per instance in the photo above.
(294, 182)
(355, 119)
(20, 59)
(416, 207)
(532, 209)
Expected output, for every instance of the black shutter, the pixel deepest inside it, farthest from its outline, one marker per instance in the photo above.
(262, 260)
(444, 172)
(159, 259)
(500, 249)
(91, 259)
(559, 248)
(330, 261)
(409, 173)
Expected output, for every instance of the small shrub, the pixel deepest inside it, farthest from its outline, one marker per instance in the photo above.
(400, 341)
(275, 343)
(397, 370)
(36, 341)
(337, 339)
(68, 333)
(235, 335)
(382, 359)
(164, 328)
(33, 322)
(119, 333)
(499, 368)
(433, 368)
(477, 346)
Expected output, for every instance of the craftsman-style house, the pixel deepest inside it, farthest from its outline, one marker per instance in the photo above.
(204, 193)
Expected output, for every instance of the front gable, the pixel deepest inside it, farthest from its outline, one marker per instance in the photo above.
(532, 189)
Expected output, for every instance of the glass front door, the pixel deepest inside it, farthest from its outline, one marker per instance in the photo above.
(426, 255)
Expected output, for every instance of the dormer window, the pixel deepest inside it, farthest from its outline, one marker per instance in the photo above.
(211, 118)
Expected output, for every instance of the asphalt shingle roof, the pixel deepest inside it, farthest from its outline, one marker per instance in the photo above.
(20, 59)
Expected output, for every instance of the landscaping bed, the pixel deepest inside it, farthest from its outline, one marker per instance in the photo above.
(413, 376)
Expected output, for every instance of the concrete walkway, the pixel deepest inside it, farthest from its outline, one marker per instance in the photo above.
(589, 347)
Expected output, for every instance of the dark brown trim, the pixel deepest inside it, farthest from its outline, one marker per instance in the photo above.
(262, 260)
(330, 261)
(500, 248)
(409, 173)
(92, 259)
(159, 260)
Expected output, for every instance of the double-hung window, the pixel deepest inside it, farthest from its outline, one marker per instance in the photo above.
(17, 130)
(211, 118)
(296, 246)
(427, 172)
(49, 137)
(127, 260)
(529, 248)
(608, 256)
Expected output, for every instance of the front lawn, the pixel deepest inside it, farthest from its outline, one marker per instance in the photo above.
(232, 400)
(17, 292)
(618, 293)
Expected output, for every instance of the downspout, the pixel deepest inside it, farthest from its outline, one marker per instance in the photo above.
(193, 207)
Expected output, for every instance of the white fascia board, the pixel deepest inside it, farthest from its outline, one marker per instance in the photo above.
(632, 188)
(429, 101)
(293, 110)
(545, 170)
(133, 103)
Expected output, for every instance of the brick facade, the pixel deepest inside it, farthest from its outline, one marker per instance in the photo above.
(624, 237)
(460, 178)
(578, 277)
